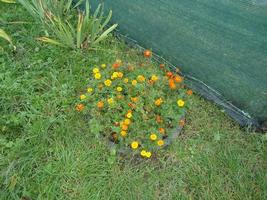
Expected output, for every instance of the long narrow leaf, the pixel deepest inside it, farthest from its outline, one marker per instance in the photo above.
(105, 33)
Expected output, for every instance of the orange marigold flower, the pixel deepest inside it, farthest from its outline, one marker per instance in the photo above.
(178, 79)
(169, 74)
(124, 127)
(147, 53)
(134, 99)
(189, 92)
(116, 65)
(172, 84)
(162, 66)
(100, 104)
(162, 130)
(80, 107)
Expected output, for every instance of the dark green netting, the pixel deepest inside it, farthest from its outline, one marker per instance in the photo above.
(220, 45)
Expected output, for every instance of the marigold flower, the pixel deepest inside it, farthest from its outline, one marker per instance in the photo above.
(154, 78)
(134, 99)
(148, 154)
(97, 76)
(160, 142)
(116, 65)
(162, 66)
(134, 145)
(120, 74)
(180, 103)
(108, 82)
(95, 70)
(172, 84)
(124, 127)
(82, 97)
(169, 74)
(80, 107)
(100, 104)
(129, 115)
(162, 130)
(134, 82)
(143, 153)
(119, 89)
(178, 79)
(126, 80)
(189, 92)
(114, 75)
(123, 133)
(153, 136)
(127, 122)
(103, 65)
(110, 101)
(147, 53)
(90, 90)
(141, 78)
(158, 102)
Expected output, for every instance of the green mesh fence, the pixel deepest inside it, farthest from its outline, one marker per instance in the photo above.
(220, 45)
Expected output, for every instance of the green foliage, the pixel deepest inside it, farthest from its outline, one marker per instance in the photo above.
(59, 18)
(5, 36)
(48, 151)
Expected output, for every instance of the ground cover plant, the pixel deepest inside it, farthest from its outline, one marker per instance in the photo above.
(48, 149)
(135, 105)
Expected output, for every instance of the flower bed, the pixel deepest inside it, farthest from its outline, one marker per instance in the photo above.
(137, 107)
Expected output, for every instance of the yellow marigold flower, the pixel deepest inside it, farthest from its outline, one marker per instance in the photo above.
(134, 145)
(110, 101)
(158, 102)
(95, 70)
(160, 143)
(154, 78)
(127, 121)
(115, 75)
(180, 103)
(153, 136)
(90, 90)
(103, 65)
(123, 133)
(134, 82)
(120, 74)
(129, 115)
(119, 89)
(148, 154)
(97, 76)
(126, 80)
(108, 82)
(82, 97)
(141, 78)
(143, 153)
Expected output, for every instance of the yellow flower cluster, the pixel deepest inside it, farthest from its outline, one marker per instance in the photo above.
(97, 73)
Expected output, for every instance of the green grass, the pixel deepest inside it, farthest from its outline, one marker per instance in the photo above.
(48, 152)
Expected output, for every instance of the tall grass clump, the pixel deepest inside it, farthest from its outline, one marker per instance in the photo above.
(67, 25)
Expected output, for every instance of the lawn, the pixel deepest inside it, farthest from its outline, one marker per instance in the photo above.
(48, 150)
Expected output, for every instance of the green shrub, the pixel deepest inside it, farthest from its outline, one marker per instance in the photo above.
(67, 25)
